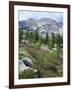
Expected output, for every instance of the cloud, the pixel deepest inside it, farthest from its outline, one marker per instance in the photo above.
(23, 15)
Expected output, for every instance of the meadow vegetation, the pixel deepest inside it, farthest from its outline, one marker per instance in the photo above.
(46, 61)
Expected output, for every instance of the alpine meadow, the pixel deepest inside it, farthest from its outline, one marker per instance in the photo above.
(40, 44)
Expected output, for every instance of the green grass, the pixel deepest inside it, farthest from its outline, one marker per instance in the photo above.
(47, 63)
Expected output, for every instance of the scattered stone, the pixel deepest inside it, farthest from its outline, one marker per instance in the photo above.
(22, 66)
(28, 62)
(25, 63)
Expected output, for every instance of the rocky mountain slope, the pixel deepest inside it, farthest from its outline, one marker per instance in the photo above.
(47, 24)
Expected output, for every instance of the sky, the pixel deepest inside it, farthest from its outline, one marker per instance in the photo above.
(24, 15)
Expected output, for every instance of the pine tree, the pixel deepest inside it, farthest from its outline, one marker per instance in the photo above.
(59, 40)
(53, 39)
(36, 36)
(47, 38)
(20, 35)
(27, 34)
(30, 36)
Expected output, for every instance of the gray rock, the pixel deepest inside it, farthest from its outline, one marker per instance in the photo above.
(46, 24)
(21, 66)
(27, 62)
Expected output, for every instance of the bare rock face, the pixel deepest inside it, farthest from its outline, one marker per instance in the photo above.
(25, 63)
(43, 25)
(28, 62)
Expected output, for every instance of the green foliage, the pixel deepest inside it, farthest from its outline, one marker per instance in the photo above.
(47, 39)
(53, 39)
(33, 37)
(47, 62)
(50, 44)
(20, 35)
(27, 35)
(36, 36)
(26, 74)
(29, 73)
(59, 40)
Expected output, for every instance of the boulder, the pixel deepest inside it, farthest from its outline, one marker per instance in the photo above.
(28, 62)
(25, 63)
(21, 66)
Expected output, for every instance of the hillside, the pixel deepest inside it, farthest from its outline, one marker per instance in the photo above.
(49, 25)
